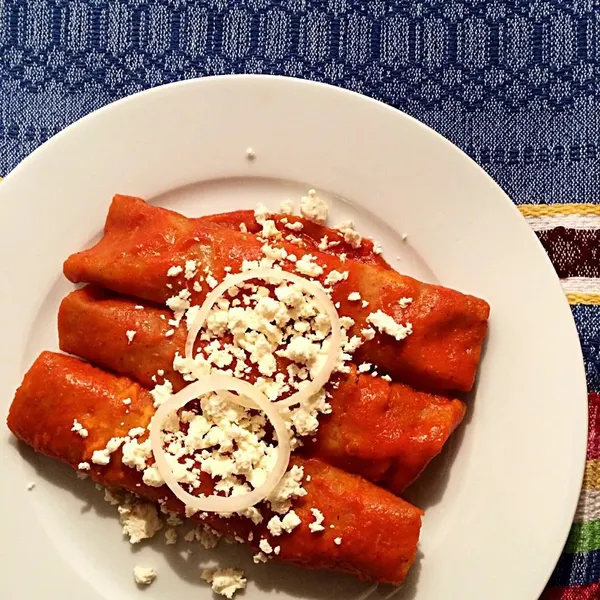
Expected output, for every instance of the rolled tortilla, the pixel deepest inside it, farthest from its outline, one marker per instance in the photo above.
(379, 531)
(141, 243)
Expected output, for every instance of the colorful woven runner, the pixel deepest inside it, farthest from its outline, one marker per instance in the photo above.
(514, 83)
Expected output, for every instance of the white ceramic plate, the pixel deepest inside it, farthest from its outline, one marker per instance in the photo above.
(500, 500)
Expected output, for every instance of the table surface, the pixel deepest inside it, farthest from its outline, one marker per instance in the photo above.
(515, 84)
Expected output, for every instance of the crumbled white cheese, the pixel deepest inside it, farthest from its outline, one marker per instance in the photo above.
(334, 277)
(174, 271)
(286, 207)
(79, 429)
(102, 457)
(191, 268)
(351, 237)
(114, 497)
(288, 488)
(140, 521)
(364, 367)
(84, 466)
(265, 546)
(307, 266)
(316, 525)
(161, 393)
(204, 534)
(130, 333)
(296, 226)
(225, 581)
(152, 477)
(171, 536)
(260, 557)
(354, 296)
(314, 208)
(126, 401)
(377, 249)
(337, 541)
(138, 307)
(404, 302)
(144, 575)
(135, 454)
(368, 333)
(386, 324)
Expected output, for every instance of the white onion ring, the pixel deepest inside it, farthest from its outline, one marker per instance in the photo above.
(320, 296)
(225, 504)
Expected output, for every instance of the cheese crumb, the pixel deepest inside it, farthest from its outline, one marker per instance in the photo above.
(314, 208)
(316, 525)
(297, 226)
(337, 541)
(102, 457)
(286, 207)
(307, 266)
(354, 296)
(368, 333)
(334, 277)
(84, 466)
(265, 546)
(144, 575)
(404, 302)
(174, 271)
(191, 268)
(130, 335)
(225, 581)
(377, 249)
(140, 521)
(127, 401)
(79, 429)
(171, 536)
(351, 237)
(386, 324)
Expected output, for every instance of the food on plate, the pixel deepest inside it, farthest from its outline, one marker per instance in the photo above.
(269, 378)
(425, 335)
(59, 389)
(340, 242)
(385, 431)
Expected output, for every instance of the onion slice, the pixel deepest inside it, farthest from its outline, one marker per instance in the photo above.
(214, 503)
(309, 287)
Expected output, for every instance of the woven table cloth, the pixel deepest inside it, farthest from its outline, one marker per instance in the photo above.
(515, 84)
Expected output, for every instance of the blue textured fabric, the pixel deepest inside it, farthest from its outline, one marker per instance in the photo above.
(587, 319)
(513, 83)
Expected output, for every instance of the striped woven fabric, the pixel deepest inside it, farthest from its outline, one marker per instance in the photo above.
(570, 233)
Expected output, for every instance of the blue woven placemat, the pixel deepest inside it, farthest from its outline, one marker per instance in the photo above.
(513, 83)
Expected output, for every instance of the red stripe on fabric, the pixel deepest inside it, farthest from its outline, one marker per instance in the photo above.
(583, 592)
(593, 450)
(573, 252)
